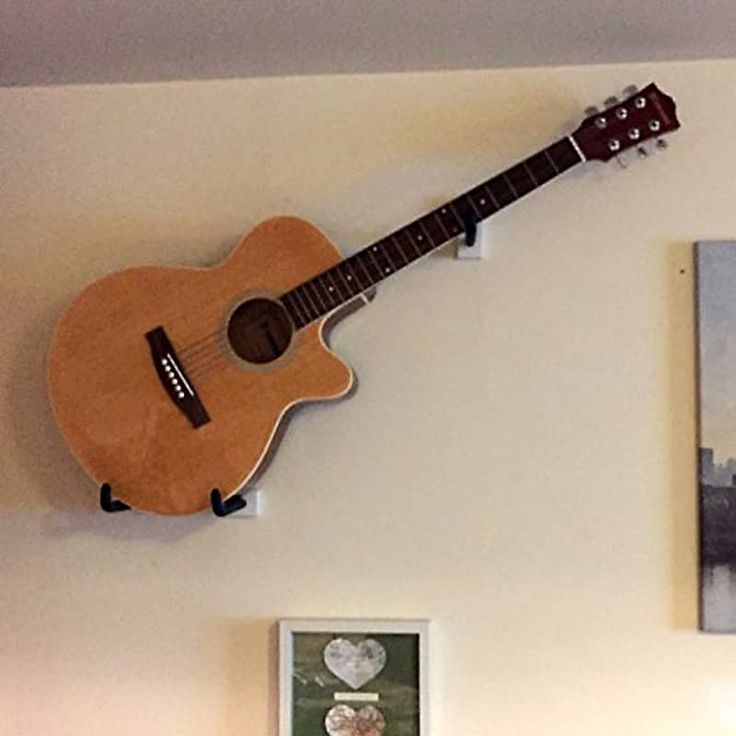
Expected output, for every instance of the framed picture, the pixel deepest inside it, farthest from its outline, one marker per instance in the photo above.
(353, 677)
(716, 318)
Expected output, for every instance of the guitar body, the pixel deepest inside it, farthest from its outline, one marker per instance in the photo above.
(166, 387)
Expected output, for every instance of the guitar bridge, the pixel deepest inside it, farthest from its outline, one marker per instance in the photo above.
(174, 379)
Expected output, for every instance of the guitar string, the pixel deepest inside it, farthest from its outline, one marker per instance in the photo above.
(215, 358)
(204, 345)
(192, 368)
(201, 353)
(203, 348)
(204, 363)
(203, 373)
(194, 346)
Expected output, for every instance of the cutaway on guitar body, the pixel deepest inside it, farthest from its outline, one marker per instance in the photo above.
(170, 382)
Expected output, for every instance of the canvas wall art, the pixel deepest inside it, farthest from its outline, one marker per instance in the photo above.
(716, 321)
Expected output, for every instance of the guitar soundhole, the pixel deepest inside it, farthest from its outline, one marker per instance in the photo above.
(259, 331)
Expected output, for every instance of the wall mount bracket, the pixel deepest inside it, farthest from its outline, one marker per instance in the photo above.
(224, 507)
(108, 503)
(470, 246)
(220, 507)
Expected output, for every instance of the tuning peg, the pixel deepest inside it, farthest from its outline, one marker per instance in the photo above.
(662, 144)
(592, 110)
(611, 101)
(642, 152)
(632, 89)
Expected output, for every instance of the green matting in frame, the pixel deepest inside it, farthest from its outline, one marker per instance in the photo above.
(353, 678)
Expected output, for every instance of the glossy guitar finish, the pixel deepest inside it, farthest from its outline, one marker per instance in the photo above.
(111, 404)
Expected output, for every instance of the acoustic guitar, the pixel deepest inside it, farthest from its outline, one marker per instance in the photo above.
(169, 384)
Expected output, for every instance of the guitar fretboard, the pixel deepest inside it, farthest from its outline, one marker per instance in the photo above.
(360, 272)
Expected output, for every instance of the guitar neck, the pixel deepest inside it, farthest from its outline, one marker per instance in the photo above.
(360, 272)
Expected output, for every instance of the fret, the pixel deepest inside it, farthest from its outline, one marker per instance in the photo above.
(502, 194)
(308, 299)
(415, 240)
(444, 230)
(507, 179)
(455, 225)
(354, 275)
(542, 168)
(461, 221)
(292, 307)
(395, 241)
(393, 253)
(307, 310)
(530, 173)
(301, 311)
(463, 210)
(384, 254)
(323, 292)
(374, 254)
(353, 285)
(335, 283)
(327, 289)
(552, 161)
(480, 201)
(473, 206)
(370, 264)
(433, 234)
(491, 196)
(358, 257)
(322, 295)
(284, 299)
(319, 300)
(350, 278)
(520, 180)
(380, 259)
(339, 282)
(418, 240)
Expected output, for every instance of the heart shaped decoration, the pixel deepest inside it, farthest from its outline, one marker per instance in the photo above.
(353, 664)
(342, 720)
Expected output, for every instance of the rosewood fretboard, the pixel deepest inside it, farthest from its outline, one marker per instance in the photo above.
(358, 273)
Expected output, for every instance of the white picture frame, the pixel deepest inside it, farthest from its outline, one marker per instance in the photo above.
(405, 646)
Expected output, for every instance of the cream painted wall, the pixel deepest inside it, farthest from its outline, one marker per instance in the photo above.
(517, 465)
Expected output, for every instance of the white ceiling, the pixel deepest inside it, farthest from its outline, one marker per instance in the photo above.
(83, 41)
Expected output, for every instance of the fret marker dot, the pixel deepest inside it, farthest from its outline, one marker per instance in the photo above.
(350, 278)
(388, 270)
(482, 201)
(443, 210)
(330, 288)
(419, 237)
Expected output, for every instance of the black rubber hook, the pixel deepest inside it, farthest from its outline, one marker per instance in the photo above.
(108, 503)
(227, 506)
(471, 232)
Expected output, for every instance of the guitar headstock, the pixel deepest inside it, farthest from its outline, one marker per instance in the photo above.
(643, 116)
